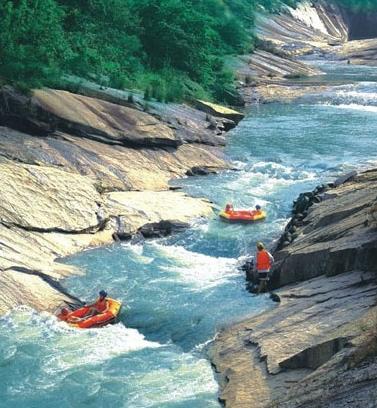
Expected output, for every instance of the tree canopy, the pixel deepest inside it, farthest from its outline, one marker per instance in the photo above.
(177, 46)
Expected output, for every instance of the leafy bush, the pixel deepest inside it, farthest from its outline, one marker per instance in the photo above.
(33, 47)
(170, 49)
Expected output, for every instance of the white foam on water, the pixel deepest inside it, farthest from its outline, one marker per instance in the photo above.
(184, 379)
(91, 346)
(362, 96)
(137, 252)
(198, 270)
(239, 165)
(266, 177)
(352, 106)
(366, 97)
(363, 108)
(67, 347)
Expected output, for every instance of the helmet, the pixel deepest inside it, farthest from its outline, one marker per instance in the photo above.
(102, 293)
(258, 207)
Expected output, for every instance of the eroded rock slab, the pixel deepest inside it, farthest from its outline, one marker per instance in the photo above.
(101, 120)
(112, 167)
(137, 209)
(263, 359)
(45, 198)
(338, 233)
(362, 52)
(18, 288)
(219, 110)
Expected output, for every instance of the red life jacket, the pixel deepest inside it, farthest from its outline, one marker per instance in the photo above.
(263, 261)
(100, 306)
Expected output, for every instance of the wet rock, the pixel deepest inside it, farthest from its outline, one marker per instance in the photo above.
(198, 171)
(162, 228)
(292, 355)
(218, 110)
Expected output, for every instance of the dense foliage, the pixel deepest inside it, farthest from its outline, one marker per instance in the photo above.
(168, 48)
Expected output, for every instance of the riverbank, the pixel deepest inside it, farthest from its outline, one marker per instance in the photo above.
(317, 348)
(72, 150)
(78, 172)
(296, 354)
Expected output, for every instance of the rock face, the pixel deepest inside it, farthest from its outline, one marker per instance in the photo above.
(334, 235)
(97, 119)
(362, 52)
(47, 199)
(140, 209)
(298, 354)
(272, 73)
(77, 171)
(305, 29)
(306, 352)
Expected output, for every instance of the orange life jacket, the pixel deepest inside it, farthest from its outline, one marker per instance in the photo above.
(263, 261)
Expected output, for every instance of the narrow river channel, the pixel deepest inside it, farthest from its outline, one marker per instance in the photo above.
(180, 290)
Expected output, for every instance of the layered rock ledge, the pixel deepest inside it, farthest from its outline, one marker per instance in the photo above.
(78, 171)
(276, 70)
(318, 347)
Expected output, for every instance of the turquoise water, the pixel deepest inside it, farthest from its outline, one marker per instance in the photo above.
(180, 290)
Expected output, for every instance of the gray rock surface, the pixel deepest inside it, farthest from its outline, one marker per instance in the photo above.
(77, 171)
(335, 236)
(314, 349)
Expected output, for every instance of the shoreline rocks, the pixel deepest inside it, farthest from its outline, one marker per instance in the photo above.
(293, 355)
(77, 172)
(317, 347)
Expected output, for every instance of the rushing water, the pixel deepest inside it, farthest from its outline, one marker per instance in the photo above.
(180, 290)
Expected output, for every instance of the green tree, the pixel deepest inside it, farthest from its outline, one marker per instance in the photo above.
(33, 49)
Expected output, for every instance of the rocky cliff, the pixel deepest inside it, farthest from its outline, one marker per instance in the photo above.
(275, 73)
(318, 347)
(78, 171)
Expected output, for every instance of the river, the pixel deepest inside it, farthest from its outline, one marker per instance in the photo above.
(179, 291)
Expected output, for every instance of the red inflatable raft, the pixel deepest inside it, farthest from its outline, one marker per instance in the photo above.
(98, 320)
(243, 215)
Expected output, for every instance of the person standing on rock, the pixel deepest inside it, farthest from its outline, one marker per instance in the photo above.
(264, 262)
